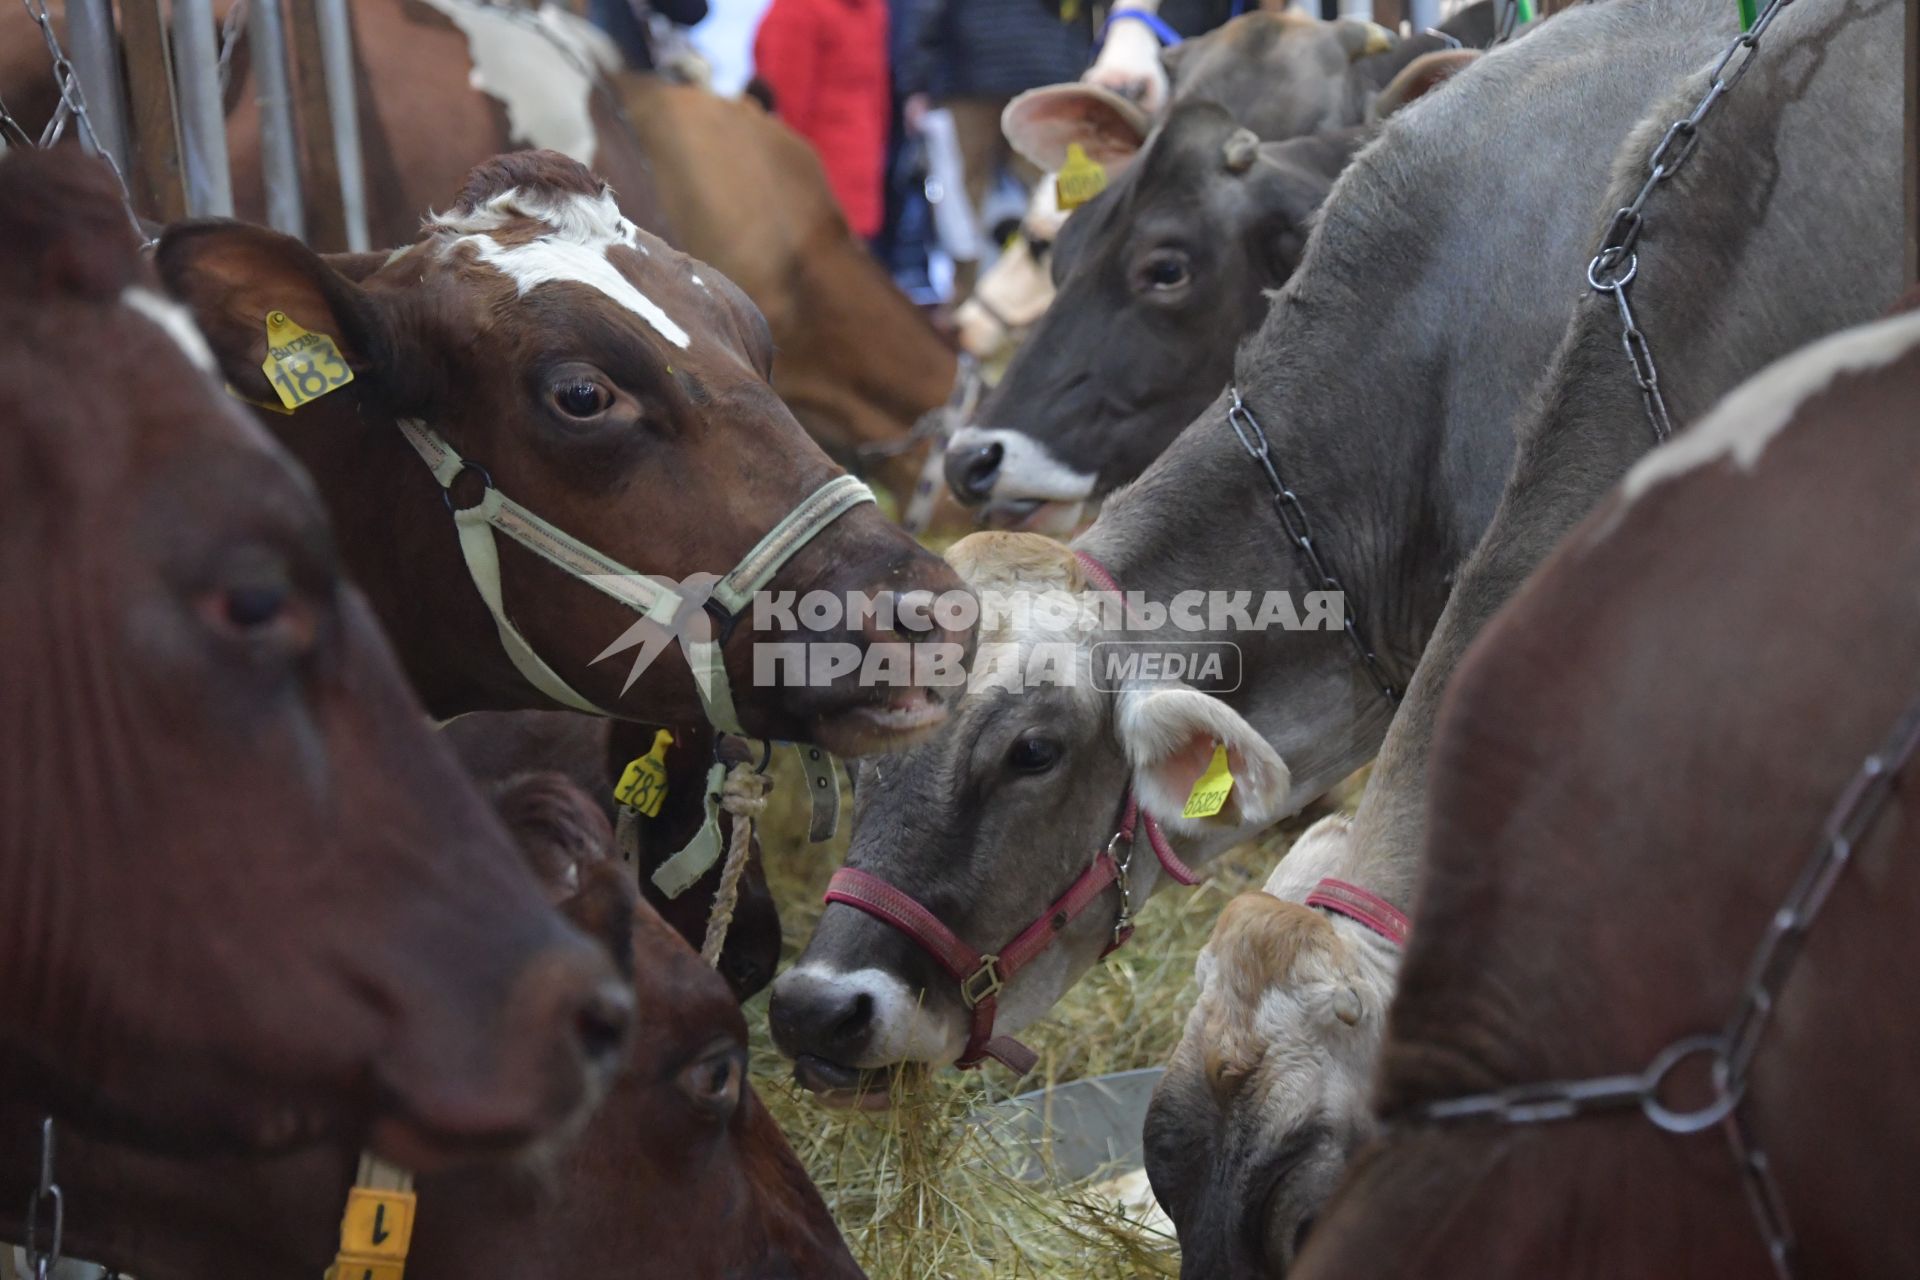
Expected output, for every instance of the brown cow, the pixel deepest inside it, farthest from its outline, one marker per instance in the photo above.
(444, 84)
(859, 363)
(249, 900)
(588, 372)
(1637, 762)
(682, 1175)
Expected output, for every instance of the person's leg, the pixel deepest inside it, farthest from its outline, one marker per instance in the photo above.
(976, 126)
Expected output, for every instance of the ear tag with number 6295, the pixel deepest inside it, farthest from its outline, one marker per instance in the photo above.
(301, 366)
(1209, 794)
(1080, 179)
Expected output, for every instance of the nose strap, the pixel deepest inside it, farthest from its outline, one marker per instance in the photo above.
(982, 976)
(495, 512)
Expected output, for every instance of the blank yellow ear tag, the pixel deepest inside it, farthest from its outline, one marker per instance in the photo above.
(301, 366)
(1079, 179)
(643, 784)
(1209, 794)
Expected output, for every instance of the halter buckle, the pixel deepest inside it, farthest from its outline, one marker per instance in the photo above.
(983, 983)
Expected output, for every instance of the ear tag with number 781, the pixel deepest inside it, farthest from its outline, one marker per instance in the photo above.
(301, 366)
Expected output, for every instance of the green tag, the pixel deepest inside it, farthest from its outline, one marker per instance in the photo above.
(643, 784)
(301, 366)
(1079, 179)
(1209, 794)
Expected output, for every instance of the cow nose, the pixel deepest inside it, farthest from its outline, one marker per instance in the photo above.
(971, 471)
(814, 1014)
(573, 1000)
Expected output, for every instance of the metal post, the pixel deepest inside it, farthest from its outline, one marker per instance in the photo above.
(1359, 9)
(1422, 14)
(95, 52)
(279, 147)
(1913, 141)
(336, 53)
(203, 126)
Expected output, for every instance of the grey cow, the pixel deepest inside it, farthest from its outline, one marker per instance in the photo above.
(1782, 227)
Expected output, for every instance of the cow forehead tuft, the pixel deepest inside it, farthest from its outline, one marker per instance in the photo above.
(1000, 561)
(1260, 938)
(591, 219)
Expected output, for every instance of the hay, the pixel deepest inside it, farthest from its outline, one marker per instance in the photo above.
(923, 1191)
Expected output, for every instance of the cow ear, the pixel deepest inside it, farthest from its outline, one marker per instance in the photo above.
(1420, 77)
(1170, 733)
(1363, 39)
(1289, 188)
(231, 275)
(1040, 124)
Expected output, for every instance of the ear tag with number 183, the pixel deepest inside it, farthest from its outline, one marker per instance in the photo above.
(301, 366)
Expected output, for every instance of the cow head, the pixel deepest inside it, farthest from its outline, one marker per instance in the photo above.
(1282, 75)
(587, 371)
(1266, 1096)
(250, 899)
(682, 1134)
(1157, 280)
(991, 820)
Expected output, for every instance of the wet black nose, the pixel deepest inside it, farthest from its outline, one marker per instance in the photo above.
(831, 1020)
(971, 471)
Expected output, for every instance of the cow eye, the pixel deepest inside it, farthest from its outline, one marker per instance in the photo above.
(259, 608)
(1164, 269)
(1033, 754)
(713, 1081)
(582, 398)
(248, 608)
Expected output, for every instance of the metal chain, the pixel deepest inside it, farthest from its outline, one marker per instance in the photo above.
(1616, 262)
(1730, 1051)
(1299, 529)
(73, 105)
(46, 1202)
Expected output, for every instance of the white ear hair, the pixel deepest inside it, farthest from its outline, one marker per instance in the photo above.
(1168, 732)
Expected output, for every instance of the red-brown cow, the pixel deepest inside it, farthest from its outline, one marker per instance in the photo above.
(591, 374)
(1642, 761)
(681, 1176)
(249, 900)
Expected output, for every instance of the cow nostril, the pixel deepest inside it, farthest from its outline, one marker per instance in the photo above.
(854, 1022)
(971, 472)
(601, 1024)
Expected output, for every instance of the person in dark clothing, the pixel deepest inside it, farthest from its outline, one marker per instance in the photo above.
(971, 56)
(625, 21)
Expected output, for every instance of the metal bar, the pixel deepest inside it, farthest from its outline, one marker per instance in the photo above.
(1358, 9)
(1422, 14)
(336, 53)
(279, 147)
(203, 125)
(95, 52)
(319, 174)
(156, 135)
(1913, 141)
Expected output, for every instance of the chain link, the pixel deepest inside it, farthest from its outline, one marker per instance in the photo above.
(73, 106)
(1616, 262)
(1729, 1052)
(1299, 529)
(46, 1206)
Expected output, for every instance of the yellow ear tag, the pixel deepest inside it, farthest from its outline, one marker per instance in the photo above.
(375, 1235)
(643, 785)
(1209, 794)
(1079, 179)
(301, 366)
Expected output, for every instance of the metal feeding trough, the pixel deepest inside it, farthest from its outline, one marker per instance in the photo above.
(1077, 1129)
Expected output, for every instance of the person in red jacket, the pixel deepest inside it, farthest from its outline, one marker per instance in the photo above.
(826, 63)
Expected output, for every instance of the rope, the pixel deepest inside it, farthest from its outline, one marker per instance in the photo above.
(744, 795)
